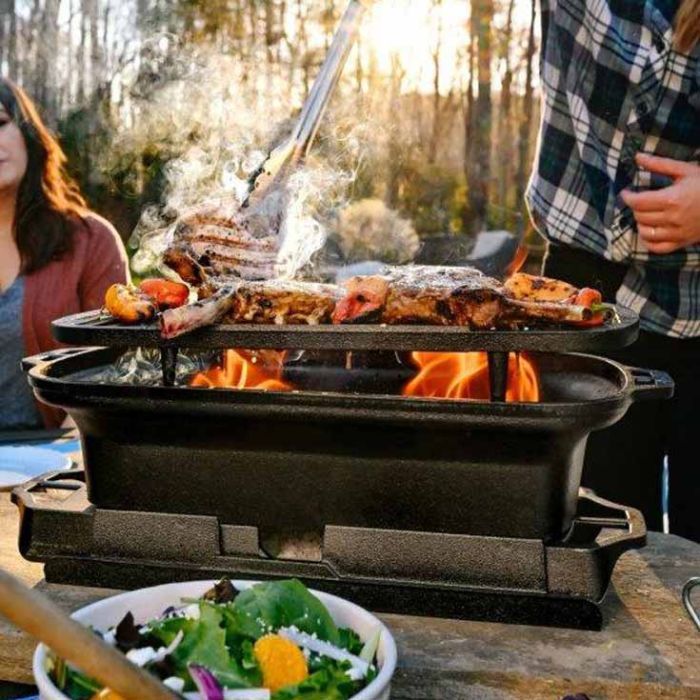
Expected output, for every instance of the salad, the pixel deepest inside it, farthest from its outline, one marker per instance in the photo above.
(273, 641)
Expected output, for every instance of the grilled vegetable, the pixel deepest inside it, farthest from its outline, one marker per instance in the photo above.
(524, 287)
(588, 297)
(166, 294)
(129, 305)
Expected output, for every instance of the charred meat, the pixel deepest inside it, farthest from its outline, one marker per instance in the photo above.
(440, 296)
(216, 241)
(284, 302)
(459, 296)
(202, 313)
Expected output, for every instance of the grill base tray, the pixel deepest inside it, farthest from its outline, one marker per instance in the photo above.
(499, 579)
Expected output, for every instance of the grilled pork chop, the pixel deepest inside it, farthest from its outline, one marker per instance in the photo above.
(218, 241)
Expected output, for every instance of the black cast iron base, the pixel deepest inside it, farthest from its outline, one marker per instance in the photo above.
(499, 579)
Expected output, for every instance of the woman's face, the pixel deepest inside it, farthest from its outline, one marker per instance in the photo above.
(13, 153)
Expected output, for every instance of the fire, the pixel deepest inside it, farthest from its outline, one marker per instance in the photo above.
(242, 369)
(455, 375)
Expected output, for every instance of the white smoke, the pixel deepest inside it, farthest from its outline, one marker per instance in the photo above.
(218, 135)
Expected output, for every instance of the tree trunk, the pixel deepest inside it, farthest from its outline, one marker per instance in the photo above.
(469, 118)
(4, 15)
(436, 6)
(82, 52)
(96, 55)
(12, 57)
(396, 147)
(46, 90)
(480, 175)
(526, 121)
(505, 141)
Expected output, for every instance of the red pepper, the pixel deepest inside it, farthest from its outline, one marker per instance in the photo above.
(166, 294)
(587, 297)
(598, 319)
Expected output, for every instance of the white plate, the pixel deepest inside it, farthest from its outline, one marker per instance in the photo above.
(21, 463)
(148, 603)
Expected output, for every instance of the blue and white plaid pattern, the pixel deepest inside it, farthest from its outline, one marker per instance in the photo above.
(614, 86)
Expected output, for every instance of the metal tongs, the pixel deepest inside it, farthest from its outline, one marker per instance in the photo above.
(294, 149)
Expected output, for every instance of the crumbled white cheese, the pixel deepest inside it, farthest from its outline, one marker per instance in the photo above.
(354, 674)
(192, 612)
(147, 655)
(175, 683)
(141, 657)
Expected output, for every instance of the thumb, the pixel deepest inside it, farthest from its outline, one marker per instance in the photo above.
(666, 166)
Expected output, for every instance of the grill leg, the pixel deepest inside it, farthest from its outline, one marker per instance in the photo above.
(168, 360)
(498, 375)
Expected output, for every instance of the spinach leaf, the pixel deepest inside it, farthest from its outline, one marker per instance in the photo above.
(329, 682)
(350, 641)
(268, 606)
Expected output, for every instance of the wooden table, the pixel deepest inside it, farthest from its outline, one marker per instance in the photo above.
(648, 649)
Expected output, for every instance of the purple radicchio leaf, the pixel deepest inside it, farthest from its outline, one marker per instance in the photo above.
(206, 683)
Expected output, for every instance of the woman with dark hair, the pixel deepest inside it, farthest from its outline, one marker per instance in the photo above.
(56, 257)
(616, 192)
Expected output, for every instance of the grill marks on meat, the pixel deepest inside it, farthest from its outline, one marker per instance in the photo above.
(219, 242)
(284, 302)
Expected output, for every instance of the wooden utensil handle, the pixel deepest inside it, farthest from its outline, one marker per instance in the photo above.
(38, 616)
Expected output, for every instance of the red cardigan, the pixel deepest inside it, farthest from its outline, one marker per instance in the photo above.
(77, 282)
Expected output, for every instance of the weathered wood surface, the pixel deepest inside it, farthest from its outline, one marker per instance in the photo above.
(648, 649)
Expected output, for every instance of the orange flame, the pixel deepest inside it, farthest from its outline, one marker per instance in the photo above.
(455, 375)
(245, 370)
(521, 256)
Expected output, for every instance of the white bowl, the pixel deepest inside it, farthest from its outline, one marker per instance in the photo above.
(147, 603)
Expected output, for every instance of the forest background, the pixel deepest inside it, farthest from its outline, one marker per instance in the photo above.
(157, 102)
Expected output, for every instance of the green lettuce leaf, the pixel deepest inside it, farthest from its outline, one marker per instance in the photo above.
(204, 644)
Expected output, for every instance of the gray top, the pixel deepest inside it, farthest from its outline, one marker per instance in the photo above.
(17, 407)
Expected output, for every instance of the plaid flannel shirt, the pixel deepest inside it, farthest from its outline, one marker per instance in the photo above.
(614, 86)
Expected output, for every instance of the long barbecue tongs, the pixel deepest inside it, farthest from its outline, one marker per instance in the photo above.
(294, 149)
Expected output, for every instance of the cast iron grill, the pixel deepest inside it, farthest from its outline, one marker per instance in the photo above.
(92, 329)
(463, 507)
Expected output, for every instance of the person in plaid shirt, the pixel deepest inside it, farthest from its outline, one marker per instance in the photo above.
(616, 193)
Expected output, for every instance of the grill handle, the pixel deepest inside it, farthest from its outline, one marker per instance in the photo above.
(29, 363)
(650, 384)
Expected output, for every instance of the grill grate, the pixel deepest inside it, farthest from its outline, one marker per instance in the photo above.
(92, 329)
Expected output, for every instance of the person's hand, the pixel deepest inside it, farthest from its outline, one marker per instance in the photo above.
(667, 219)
